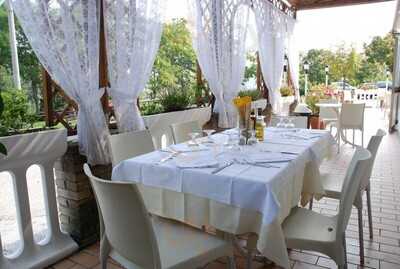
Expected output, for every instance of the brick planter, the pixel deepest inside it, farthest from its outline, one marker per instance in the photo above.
(76, 202)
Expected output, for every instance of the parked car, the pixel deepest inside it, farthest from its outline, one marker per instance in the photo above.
(382, 85)
(368, 86)
(339, 86)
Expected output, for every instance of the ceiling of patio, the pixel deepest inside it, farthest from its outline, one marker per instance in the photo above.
(313, 4)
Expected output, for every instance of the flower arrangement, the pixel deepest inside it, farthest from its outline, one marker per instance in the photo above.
(243, 106)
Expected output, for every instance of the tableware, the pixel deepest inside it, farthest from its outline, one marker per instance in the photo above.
(259, 164)
(219, 169)
(290, 124)
(169, 157)
(193, 137)
(209, 132)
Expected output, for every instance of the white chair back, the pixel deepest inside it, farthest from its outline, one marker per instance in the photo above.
(128, 145)
(127, 225)
(373, 146)
(351, 187)
(352, 116)
(299, 121)
(180, 131)
(327, 113)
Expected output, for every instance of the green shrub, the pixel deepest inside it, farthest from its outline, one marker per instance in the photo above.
(254, 94)
(286, 91)
(314, 95)
(150, 108)
(16, 115)
(202, 95)
(175, 100)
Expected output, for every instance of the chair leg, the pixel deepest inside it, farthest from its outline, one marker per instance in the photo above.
(231, 262)
(371, 231)
(105, 249)
(361, 235)
(310, 205)
(344, 266)
(249, 259)
(362, 137)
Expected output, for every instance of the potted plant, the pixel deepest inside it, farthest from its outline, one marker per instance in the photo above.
(314, 96)
(253, 94)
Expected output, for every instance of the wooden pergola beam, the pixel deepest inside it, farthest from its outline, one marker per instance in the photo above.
(316, 4)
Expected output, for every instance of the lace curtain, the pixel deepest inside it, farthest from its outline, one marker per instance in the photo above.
(65, 37)
(219, 33)
(271, 28)
(293, 56)
(133, 32)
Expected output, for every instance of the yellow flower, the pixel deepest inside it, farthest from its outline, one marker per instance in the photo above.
(241, 101)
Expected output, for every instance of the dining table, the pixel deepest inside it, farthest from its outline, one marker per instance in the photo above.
(236, 189)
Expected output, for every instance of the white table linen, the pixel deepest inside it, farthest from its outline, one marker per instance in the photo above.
(240, 198)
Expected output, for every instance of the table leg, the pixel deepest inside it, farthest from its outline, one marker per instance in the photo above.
(251, 249)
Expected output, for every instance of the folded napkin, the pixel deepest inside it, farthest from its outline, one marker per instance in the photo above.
(261, 157)
(305, 136)
(187, 148)
(281, 130)
(195, 161)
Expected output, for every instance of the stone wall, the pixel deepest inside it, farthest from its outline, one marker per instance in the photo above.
(76, 202)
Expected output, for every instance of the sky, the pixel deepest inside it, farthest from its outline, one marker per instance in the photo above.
(327, 28)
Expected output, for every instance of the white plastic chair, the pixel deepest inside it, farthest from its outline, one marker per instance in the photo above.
(333, 183)
(180, 131)
(309, 230)
(299, 121)
(141, 241)
(128, 145)
(328, 115)
(352, 118)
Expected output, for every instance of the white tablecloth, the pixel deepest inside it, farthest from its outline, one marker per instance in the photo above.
(241, 198)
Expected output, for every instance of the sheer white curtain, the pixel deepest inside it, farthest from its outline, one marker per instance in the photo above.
(271, 28)
(219, 34)
(293, 56)
(65, 38)
(133, 32)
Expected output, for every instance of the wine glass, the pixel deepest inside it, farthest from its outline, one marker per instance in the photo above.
(193, 137)
(253, 139)
(281, 123)
(209, 132)
(290, 123)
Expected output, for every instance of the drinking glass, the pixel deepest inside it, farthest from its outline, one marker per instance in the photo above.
(209, 132)
(193, 137)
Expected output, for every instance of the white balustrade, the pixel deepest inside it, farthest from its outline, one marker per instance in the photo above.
(43, 149)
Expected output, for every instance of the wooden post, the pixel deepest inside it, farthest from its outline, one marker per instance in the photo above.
(47, 93)
(199, 75)
(103, 74)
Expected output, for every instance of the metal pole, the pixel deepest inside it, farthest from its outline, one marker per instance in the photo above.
(13, 45)
(305, 84)
(394, 105)
(326, 80)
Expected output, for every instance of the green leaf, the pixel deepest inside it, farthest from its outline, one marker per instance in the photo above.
(3, 149)
(1, 104)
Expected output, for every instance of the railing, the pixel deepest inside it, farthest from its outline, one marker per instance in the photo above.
(42, 149)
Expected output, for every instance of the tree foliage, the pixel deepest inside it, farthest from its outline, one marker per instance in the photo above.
(370, 65)
(175, 65)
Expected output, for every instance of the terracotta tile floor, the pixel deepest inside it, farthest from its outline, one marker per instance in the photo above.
(383, 251)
